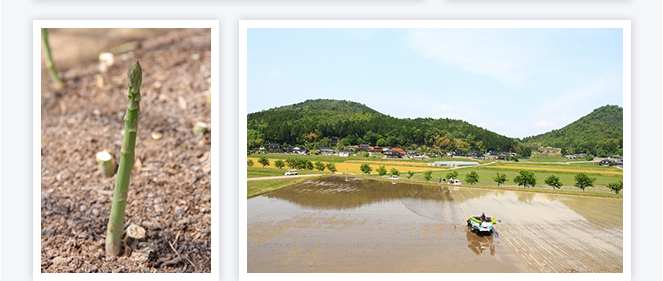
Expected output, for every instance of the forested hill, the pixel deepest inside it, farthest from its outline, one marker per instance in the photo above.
(599, 133)
(315, 122)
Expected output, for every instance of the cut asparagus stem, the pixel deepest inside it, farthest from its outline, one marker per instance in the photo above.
(116, 221)
(106, 163)
(200, 128)
(49, 60)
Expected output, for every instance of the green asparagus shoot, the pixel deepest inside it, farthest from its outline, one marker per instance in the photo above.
(49, 60)
(116, 221)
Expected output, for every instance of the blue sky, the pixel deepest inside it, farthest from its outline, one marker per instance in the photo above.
(516, 82)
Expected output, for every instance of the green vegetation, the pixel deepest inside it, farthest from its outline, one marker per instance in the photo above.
(410, 174)
(315, 122)
(319, 165)
(395, 172)
(427, 175)
(258, 187)
(331, 167)
(553, 181)
(49, 60)
(116, 220)
(616, 186)
(278, 164)
(583, 181)
(365, 168)
(472, 177)
(452, 174)
(249, 163)
(264, 161)
(599, 133)
(526, 178)
(500, 179)
(381, 170)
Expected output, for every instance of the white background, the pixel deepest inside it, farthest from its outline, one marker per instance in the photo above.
(16, 87)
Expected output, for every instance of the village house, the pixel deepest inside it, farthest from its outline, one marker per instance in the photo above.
(392, 154)
(325, 150)
(364, 146)
(275, 146)
(344, 153)
(299, 150)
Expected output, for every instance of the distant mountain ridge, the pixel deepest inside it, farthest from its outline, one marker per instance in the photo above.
(315, 122)
(600, 132)
(329, 104)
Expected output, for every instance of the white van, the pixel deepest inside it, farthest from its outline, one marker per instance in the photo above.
(291, 172)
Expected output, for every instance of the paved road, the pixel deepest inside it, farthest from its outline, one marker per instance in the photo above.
(282, 177)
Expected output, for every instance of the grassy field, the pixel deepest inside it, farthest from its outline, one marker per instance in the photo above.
(258, 187)
(486, 174)
(352, 167)
(566, 172)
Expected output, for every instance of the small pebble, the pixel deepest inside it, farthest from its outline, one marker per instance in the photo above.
(195, 56)
(156, 135)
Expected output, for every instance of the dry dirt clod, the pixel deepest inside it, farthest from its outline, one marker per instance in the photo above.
(181, 102)
(156, 135)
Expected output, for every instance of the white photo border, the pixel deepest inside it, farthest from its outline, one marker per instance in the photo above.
(36, 146)
(244, 25)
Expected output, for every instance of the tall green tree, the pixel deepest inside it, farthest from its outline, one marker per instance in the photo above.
(291, 162)
(395, 172)
(279, 164)
(553, 181)
(472, 177)
(526, 178)
(365, 168)
(500, 179)
(410, 174)
(583, 181)
(427, 175)
(320, 166)
(616, 186)
(381, 171)
(452, 174)
(263, 161)
(331, 167)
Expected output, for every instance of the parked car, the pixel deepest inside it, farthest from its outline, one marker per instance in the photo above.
(291, 172)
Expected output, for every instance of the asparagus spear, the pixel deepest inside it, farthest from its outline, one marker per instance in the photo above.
(116, 221)
(49, 59)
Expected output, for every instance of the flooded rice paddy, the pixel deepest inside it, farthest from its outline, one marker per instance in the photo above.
(346, 224)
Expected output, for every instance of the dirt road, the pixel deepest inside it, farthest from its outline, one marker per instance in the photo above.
(282, 177)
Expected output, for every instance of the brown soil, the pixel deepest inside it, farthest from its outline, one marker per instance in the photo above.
(348, 224)
(169, 194)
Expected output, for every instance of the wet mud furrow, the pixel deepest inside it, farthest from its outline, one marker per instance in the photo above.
(341, 224)
(550, 238)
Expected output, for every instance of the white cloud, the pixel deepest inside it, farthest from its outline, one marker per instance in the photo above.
(544, 123)
(482, 51)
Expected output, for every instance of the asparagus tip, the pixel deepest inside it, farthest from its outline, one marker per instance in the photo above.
(135, 75)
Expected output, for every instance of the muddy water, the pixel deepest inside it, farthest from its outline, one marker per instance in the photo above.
(339, 224)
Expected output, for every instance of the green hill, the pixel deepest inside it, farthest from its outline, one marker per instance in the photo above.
(598, 133)
(314, 122)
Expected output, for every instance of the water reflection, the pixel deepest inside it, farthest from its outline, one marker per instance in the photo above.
(349, 192)
(436, 201)
(479, 243)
